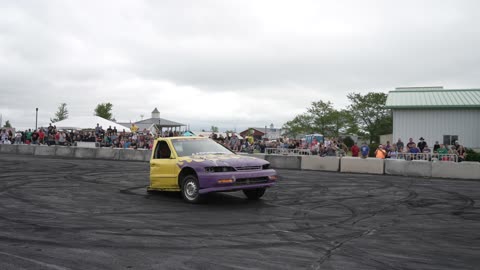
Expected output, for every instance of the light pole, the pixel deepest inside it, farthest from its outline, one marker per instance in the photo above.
(36, 118)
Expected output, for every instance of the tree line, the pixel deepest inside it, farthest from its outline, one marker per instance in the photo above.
(366, 116)
(103, 110)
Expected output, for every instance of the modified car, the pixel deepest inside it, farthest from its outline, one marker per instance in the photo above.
(196, 166)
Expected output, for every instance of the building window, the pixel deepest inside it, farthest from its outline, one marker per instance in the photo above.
(450, 139)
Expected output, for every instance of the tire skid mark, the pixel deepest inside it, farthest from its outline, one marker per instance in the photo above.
(36, 262)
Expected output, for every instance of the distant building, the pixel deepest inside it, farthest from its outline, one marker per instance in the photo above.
(436, 114)
(269, 133)
(155, 124)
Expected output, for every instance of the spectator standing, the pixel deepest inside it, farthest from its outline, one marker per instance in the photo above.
(388, 147)
(400, 144)
(380, 152)
(10, 136)
(61, 138)
(41, 136)
(18, 138)
(3, 137)
(436, 146)
(453, 153)
(421, 144)
(28, 136)
(442, 152)
(414, 151)
(97, 130)
(57, 137)
(262, 147)
(427, 151)
(355, 150)
(393, 154)
(364, 150)
(410, 144)
(462, 154)
(34, 137)
(134, 128)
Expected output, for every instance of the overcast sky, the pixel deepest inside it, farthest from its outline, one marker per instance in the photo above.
(231, 64)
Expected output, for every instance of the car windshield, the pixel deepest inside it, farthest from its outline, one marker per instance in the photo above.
(189, 147)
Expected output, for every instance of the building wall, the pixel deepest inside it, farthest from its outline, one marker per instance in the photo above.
(433, 124)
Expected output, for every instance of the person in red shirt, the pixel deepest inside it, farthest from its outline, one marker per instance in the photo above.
(355, 150)
(41, 136)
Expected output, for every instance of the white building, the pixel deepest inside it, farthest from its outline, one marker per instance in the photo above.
(436, 114)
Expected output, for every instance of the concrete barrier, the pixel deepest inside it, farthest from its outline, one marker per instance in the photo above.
(89, 153)
(108, 153)
(8, 148)
(318, 163)
(395, 166)
(86, 144)
(25, 149)
(147, 154)
(43, 150)
(362, 165)
(131, 154)
(421, 168)
(65, 151)
(461, 170)
(284, 162)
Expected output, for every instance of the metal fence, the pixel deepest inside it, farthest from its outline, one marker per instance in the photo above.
(405, 156)
(426, 156)
(287, 152)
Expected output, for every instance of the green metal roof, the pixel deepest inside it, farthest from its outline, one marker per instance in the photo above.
(433, 98)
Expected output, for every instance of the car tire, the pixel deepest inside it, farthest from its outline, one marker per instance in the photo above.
(190, 189)
(254, 194)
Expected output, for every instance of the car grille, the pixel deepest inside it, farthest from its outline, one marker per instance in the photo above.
(248, 168)
(250, 181)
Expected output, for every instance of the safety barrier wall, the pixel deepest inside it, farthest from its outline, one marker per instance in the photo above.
(462, 170)
(318, 163)
(284, 162)
(362, 165)
(419, 168)
(77, 152)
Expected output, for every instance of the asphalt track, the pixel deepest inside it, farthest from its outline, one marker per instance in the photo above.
(95, 214)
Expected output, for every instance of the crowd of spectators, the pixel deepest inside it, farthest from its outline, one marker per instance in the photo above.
(136, 139)
(110, 137)
(421, 151)
(410, 151)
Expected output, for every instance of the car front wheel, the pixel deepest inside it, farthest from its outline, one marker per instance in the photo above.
(190, 189)
(254, 194)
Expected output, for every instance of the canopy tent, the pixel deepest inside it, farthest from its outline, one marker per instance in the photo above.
(187, 133)
(88, 122)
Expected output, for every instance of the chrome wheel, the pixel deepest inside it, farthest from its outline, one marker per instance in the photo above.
(191, 190)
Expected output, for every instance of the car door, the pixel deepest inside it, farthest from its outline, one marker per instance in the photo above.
(163, 167)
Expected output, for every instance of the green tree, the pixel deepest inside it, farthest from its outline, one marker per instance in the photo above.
(301, 124)
(323, 115)
(61, 114)
(104, 110)
(370, 114)
(7, 124)
(214, 129)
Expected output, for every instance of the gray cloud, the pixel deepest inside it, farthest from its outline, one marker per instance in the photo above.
(250, 62)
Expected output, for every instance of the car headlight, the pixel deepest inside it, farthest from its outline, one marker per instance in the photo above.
(266, 166)
(219, 169)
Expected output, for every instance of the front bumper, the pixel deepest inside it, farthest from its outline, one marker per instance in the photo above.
(209, 182)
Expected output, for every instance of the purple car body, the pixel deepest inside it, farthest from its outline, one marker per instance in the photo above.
(207, 167)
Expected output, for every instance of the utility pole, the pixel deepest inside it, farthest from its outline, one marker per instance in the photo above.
(36, 118)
